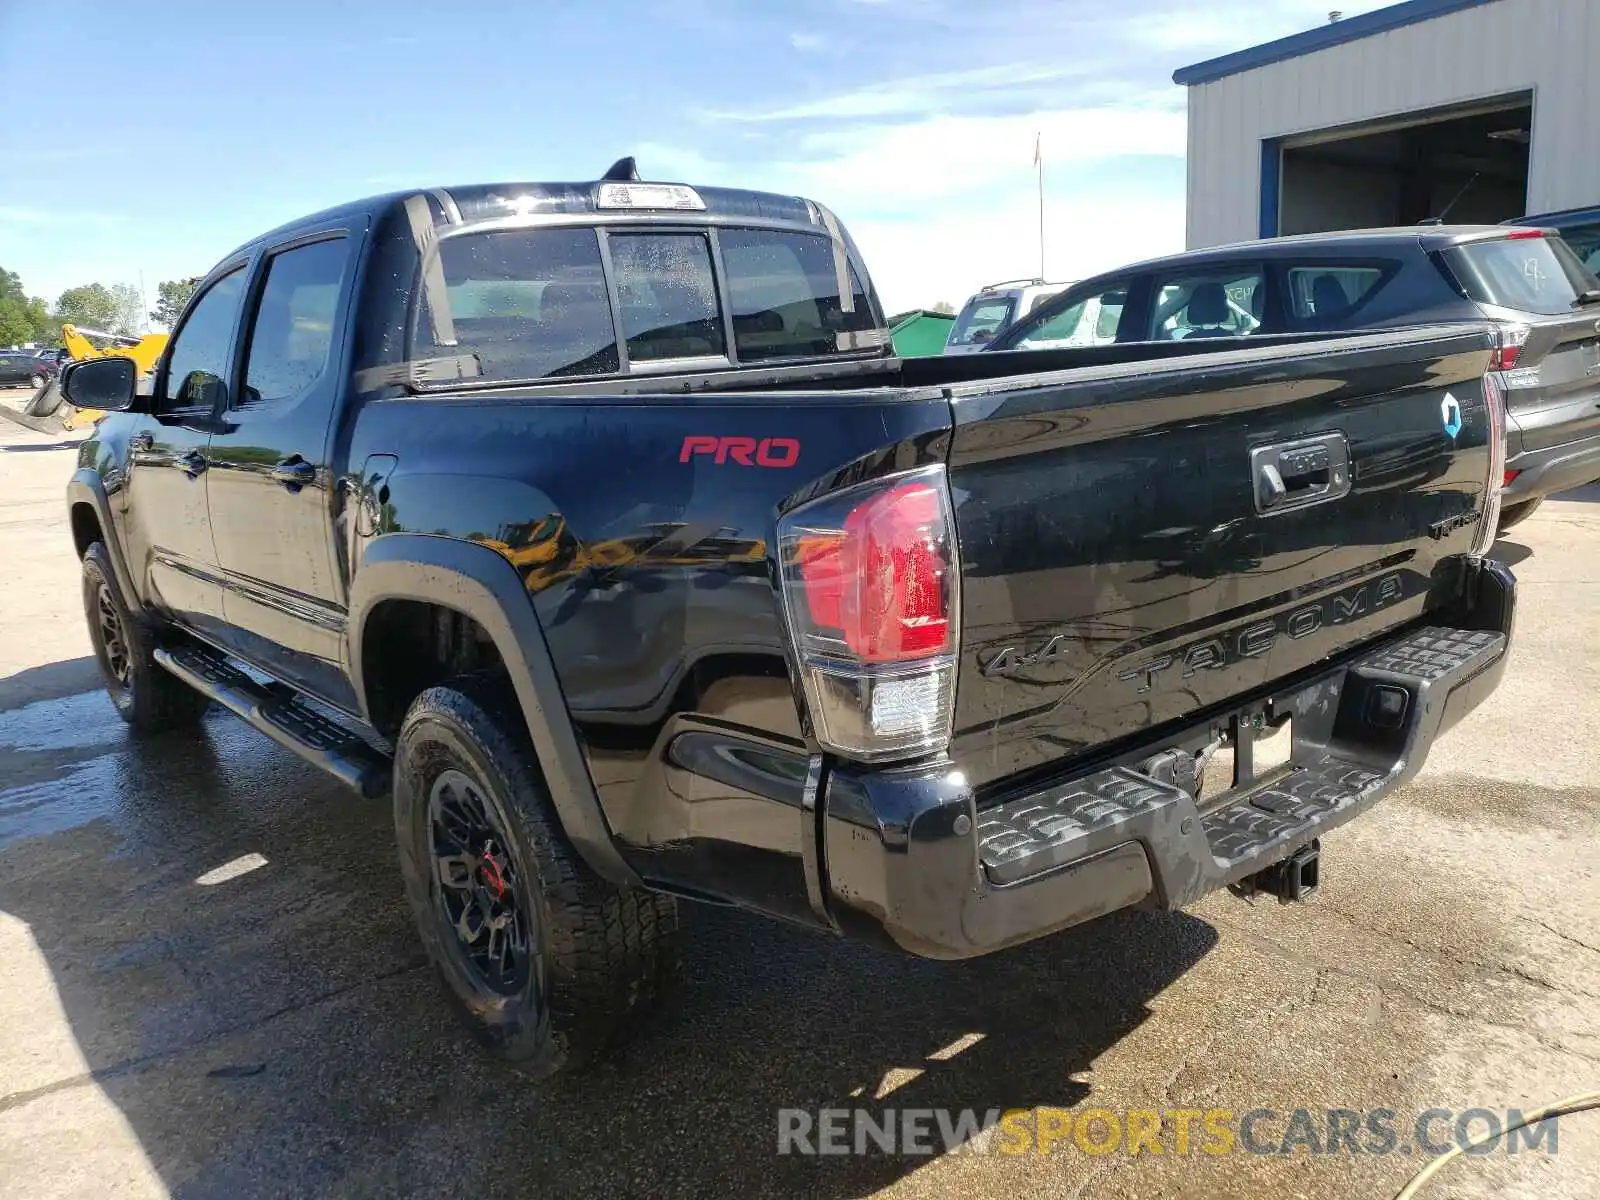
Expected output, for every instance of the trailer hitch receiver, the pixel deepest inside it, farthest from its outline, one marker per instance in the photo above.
(1291, 879)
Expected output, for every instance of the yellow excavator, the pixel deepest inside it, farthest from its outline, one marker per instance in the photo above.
(82, 344)
(143, 350)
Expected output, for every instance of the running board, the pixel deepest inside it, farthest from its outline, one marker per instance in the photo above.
(282, 716)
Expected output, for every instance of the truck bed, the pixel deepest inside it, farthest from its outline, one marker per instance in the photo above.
(1117, 577)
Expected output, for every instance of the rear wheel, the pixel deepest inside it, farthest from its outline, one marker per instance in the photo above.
(1515, 514)
(36, 381)
(546, 962)
(147, 697)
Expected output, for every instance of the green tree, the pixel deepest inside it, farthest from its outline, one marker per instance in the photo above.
(91, 305)
(130, 317)
(15, 327)
(22, 318)
(171, 296)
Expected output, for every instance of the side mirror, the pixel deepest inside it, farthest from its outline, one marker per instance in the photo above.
(105, 384)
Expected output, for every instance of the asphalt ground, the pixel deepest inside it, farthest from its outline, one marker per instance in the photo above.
(210, 984)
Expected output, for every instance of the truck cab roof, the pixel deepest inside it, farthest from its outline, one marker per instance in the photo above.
(529, 202)
(496, 284)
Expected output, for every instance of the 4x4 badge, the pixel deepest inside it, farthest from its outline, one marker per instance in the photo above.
(1450, 412)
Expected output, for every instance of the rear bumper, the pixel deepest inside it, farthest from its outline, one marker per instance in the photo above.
(908, 858)
(1553, 469)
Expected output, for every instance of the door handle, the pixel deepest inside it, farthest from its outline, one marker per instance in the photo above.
(193, 463)
(295, 472)
(1291, 475)
(142, 440)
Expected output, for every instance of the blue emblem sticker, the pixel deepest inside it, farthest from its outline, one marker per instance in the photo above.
(1450, 414)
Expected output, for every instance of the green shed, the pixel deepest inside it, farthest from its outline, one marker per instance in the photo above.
(920, 332)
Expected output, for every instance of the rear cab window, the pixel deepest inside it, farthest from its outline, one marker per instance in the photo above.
(1524, 271)
(584, 301)
(667, 296)
(981, 319)
(528, 303)
(784, 290)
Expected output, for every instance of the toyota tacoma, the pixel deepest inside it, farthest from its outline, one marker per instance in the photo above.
(597, 524)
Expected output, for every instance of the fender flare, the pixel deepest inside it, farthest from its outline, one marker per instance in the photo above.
(478, 582)
(86, 487)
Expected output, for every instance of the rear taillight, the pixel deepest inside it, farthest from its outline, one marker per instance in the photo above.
(1510, 475)
(870, 590)
(1512, 339)
(1494, 402)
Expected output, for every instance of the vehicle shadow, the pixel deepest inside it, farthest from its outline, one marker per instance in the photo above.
(1589, 492)
(28, 448)
(1509, 552)
(49, 682)
(242, 980)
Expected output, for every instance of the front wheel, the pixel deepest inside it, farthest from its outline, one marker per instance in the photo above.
(148, 698)
(547, 963)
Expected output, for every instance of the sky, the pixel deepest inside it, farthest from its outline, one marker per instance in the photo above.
(159, 137)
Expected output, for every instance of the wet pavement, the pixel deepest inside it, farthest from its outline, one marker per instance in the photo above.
(212, 986)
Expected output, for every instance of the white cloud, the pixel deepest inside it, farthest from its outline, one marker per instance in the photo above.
(808, 43)
(943, 205)
(949, 254)
(1189, 35)
(912, 96)
(905, 168)
(11, 214)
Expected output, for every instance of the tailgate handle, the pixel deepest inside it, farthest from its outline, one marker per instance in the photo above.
(1292, 475)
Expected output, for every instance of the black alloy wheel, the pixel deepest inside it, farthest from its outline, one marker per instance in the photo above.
(480, 896)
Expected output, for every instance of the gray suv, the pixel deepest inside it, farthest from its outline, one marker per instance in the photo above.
(1525, 279)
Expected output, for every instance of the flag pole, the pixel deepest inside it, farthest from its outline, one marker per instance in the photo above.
(1038, 161)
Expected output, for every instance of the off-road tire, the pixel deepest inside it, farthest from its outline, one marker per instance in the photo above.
(147, 697)
(602, 956)
(1515, 514)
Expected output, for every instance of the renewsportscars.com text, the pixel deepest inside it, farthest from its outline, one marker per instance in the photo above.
(1215, 1131)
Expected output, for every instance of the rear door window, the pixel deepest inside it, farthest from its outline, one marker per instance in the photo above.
(981, 319)
(1531, 274)
(1223, 301)
(784, 290)
(1323, 294)
(527, 303)
(1091, 320)
(292, 332)
(667, 296)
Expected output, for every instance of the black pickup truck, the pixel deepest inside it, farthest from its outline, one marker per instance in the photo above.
(598, 523)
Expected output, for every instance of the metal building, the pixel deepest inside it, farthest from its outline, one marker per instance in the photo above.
(1473, 110)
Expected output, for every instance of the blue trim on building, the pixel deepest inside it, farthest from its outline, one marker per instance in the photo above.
(1335, 33)
(1271, 172)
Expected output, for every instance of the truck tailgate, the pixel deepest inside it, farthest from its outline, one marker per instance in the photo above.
(1140, 545)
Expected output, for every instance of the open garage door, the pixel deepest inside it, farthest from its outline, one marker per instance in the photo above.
(1468, 166)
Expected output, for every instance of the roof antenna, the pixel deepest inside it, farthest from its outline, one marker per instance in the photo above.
(1471, 179)
(624, 170)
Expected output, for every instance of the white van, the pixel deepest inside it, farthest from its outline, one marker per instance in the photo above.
(993, 308)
